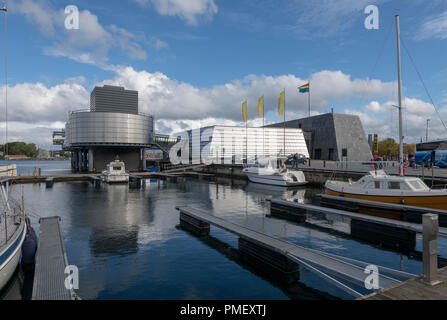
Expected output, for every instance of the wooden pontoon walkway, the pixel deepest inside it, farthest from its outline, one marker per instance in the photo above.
(413, 289)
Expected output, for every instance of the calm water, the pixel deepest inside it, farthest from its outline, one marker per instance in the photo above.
(26, 168)
(127, 244)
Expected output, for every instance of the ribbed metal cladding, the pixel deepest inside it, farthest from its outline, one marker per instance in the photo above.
(85, 128)
(114, 99)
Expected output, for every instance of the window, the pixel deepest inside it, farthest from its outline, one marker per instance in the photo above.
(394, 185)
(317, 154)
(416, 185)
(377, 184)
(369, 185)
(331, 154)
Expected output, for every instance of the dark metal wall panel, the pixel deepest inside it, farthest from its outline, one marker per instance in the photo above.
(114, 99)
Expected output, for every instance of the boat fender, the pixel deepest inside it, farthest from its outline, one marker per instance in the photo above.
(402, 201)
(29, 246)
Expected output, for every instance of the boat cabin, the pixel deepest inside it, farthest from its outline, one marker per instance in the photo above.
(379, 180)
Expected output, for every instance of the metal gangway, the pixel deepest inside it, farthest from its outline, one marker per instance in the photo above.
(179, 168)
(323, 264)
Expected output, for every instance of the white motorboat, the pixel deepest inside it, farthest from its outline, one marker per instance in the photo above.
(12, 235)
(115, 172)
(273, 171)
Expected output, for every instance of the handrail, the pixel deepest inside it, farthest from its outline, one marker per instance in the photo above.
(88, 111)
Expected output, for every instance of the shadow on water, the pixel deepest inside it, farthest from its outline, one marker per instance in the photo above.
(294, 289)
(20, 286)
(410, 254)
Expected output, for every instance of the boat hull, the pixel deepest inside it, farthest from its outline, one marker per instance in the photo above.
(10, 256)
(115, 179)
(274, 180)
(433, 201)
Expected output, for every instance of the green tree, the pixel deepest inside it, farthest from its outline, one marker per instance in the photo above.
(388, 147)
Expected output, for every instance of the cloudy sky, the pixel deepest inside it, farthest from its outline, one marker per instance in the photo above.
(195, 61)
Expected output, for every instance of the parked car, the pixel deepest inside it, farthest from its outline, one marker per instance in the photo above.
(301, 159)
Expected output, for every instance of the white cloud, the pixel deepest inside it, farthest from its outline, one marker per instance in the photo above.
(170, 99)
(90, 44)
(38, 133)
(189, 11)
(178, 105)
(382, 118)
(435, 27)
(34, 102)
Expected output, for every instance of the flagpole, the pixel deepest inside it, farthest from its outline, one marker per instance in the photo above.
(263, 127)
(309, 97)
(246, 137)
(284, 122)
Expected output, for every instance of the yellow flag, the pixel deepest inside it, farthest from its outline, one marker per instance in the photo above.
(260, 107)
(244, 111)
(281, 101)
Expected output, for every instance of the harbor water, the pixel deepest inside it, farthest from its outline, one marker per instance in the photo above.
(127, 244)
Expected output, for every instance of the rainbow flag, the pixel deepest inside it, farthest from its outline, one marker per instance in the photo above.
(305, 88)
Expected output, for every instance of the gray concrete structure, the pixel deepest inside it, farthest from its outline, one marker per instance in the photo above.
(111, 129)
(333, 136)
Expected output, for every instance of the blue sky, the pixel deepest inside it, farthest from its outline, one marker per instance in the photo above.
(195, 61)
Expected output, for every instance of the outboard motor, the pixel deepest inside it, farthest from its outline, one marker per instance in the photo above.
(29, 246)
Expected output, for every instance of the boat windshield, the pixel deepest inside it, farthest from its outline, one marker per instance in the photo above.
(418, 185)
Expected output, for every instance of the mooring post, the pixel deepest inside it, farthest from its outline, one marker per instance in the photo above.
(430, 228)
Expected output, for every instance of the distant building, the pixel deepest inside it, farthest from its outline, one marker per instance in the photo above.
(16, 157)
(225, 143)
(432, 145)
(332, 136)
(111, 128)
(43, 154)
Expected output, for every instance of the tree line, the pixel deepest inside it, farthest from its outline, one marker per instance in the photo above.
(389, 147)
(21, 148)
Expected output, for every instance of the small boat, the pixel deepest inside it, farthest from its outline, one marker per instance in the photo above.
(115, 172)
(379, 186)
(12, 234)
(273, 171)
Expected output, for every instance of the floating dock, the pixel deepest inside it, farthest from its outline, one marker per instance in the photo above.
(51, 261)
(287, 256)
(390, 233)
(382, 209)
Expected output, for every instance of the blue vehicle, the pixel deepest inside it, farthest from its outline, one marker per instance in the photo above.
(441, 158)
(301, 159)
(424, 158)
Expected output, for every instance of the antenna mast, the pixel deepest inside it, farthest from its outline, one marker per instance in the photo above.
(3, 8)
(401, 144)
